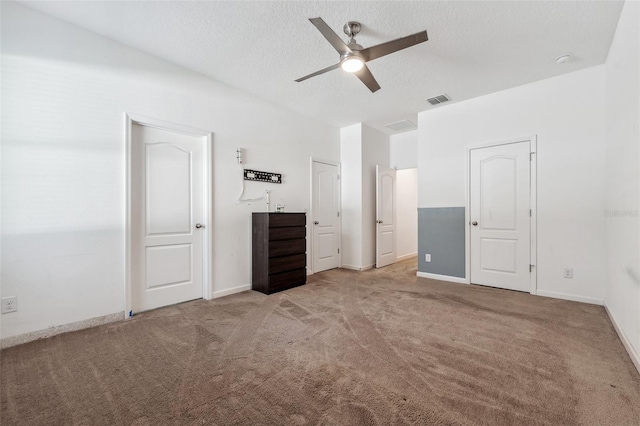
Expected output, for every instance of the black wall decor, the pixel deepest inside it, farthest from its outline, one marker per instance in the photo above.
(262, 176)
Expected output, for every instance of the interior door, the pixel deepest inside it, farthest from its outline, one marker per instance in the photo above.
(500, 229)
(167, 217)
(385, 216)
(326, 216)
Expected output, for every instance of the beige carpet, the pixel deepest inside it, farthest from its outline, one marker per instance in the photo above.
(378, 347)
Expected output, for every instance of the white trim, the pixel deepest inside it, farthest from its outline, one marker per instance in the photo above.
(59, 329)
(533, 221)
(441, 277)
(635, 359)
(572, 297)
(533, 205)
(311, 269)
(406, 256)
(230, 291)
(207, 153)
(128, 313)
(357, 268)
(207, 201)
(165, 125)
(350, 267)
(467, 218)
(324, 161)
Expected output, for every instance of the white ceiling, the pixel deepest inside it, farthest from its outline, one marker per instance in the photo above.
(474, 47)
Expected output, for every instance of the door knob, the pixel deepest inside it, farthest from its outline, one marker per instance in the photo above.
(199, 225)
(379, 221)
(474, 223)
(316, 223)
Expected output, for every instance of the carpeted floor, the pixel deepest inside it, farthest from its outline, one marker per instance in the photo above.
(378, 347)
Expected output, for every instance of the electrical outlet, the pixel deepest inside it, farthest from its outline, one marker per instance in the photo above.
(568, 272)
(427, 258)
(9, 304)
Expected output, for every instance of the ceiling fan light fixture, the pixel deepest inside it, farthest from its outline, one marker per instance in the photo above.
(352, 64)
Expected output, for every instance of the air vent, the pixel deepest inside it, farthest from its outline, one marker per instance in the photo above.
(438, 99)
(401, 125)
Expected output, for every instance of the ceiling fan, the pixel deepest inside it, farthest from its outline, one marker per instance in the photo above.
(353, 56)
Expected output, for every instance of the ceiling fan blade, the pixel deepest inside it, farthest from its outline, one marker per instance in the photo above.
(379, 50)
(322, 71)
(331, 36)
(367, 78)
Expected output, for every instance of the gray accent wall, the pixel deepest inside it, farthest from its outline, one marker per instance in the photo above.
(441, 234)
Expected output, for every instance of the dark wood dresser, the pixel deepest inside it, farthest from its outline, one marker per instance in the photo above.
(279, 248)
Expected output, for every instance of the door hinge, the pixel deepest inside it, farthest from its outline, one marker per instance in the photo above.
(338, 177)
(531, 268)
(338, 214)
(338, 251)
(531, 155)
(530, 214)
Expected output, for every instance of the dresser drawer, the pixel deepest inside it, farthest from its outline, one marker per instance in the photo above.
(287, 263)
(287, 247)
(278, 220)
(287, 233)
(287, 279)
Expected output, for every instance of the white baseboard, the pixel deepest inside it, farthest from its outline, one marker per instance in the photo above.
(7, 342)
(406, 256)
(571, 297)
(357, 268)
(442, 277)
(230, 291)
(625, 341)
(350, 267)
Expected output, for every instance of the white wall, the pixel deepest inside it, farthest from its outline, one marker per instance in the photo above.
(407, 212)
(567, 115)
(351, 190)
(403, 150)
(375, 151)
(64, 95)
(361, 149)
(622, 176)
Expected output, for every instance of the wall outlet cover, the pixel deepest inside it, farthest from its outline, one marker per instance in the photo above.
(568, 272)
(9, 304)
(427, 258)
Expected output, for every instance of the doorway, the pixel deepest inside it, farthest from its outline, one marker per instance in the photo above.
(325, 215)
(169, 214)
(502, 215)
(406, 213)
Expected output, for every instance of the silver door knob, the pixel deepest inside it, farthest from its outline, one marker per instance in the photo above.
(199, 225)
(474, 223)
(316, 223)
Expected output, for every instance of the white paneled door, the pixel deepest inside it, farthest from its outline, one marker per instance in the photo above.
(167, 217)
(326, 215)
(385, 216)
(499, 214)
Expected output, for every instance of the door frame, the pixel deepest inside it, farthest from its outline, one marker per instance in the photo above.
(312, 270)
(533, 190)
(207, 187)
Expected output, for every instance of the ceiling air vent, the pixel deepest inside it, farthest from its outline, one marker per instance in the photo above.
(438, 99)
(401, 125)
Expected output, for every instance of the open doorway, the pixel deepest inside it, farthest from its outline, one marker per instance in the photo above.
(407, 213)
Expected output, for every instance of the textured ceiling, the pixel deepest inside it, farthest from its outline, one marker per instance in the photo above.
(474, 47)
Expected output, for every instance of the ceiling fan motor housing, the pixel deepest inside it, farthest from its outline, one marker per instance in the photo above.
(351, 28)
